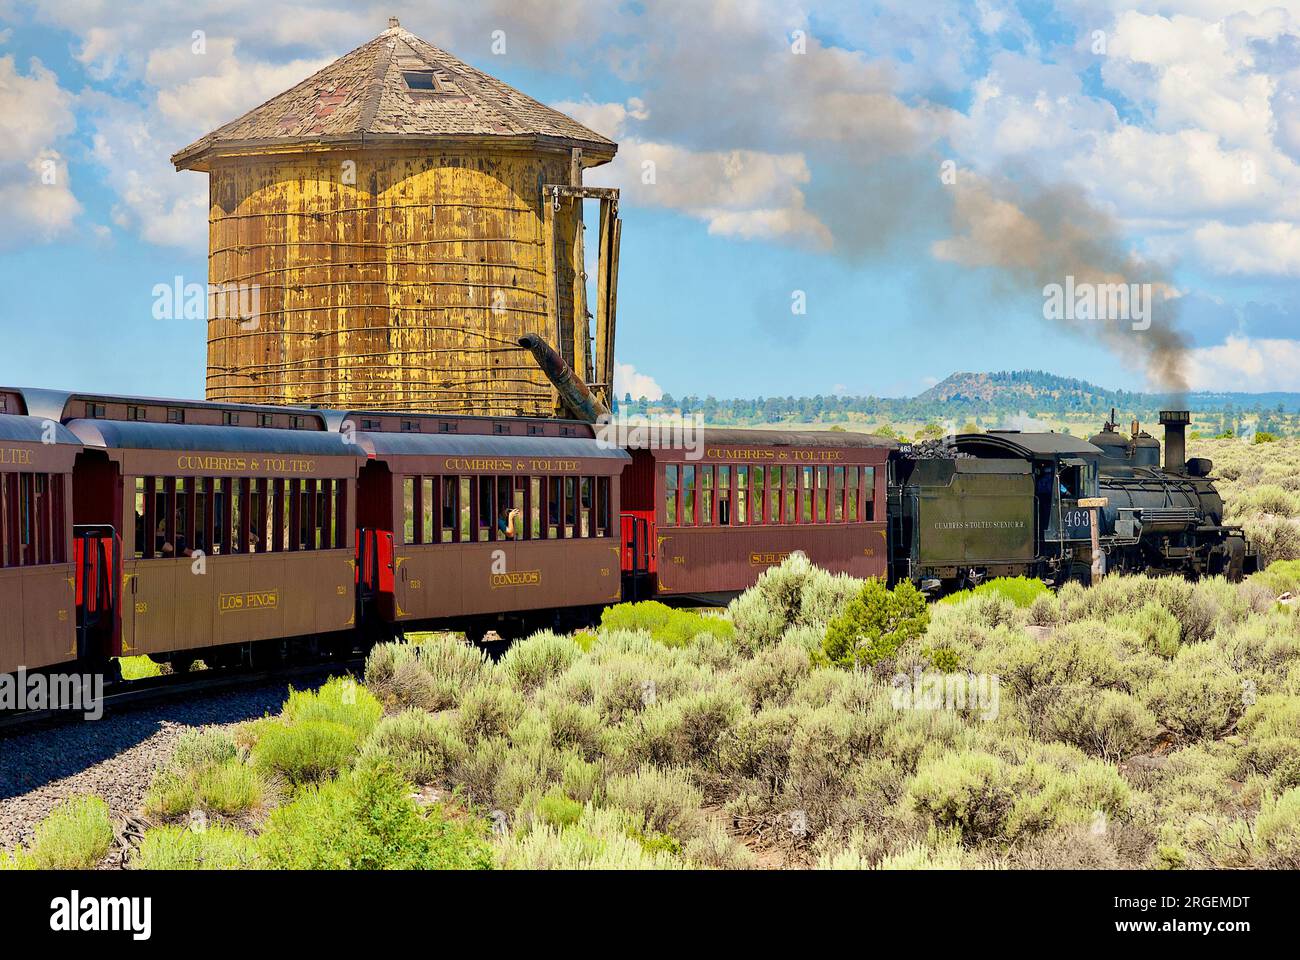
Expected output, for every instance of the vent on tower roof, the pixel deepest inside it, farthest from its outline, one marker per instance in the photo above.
(420, 80)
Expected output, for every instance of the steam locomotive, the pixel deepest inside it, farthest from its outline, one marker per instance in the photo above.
(1049, 505)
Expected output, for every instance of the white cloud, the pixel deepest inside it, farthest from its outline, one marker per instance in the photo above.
(1256, 248)
(34, 111)
(133, 142)
(628, 380)
(35, 189)
(607, 119)
(1245, 364)
(749, 194)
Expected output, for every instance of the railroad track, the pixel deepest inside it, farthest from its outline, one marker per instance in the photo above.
(130, 694)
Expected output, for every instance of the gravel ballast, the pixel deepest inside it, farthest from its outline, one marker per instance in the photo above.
(113, 758)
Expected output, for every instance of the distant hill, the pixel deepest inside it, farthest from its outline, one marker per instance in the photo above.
(1036, 389)
(988, 399)
(1029, 388)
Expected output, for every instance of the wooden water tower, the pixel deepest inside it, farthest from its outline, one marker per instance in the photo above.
(401, 219)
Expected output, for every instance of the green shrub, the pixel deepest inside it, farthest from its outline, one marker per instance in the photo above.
(772, 676)
(200, 748)
(306, 751)
(1281, 576)
(969, 791)
(1277, 830)
(661, 801)
(76, 835)
(758, 748)
(532, 662)
(1157, 627)
(367, 820)
(600, 840)
(1274, 715)
(1022, 591)
(137, 668)
(793, 594)
(181, 848)
(171, 792)
(489, 711)
(341, 700)
(1195, 702)
(1263, 436)
(715, 849)
(1106, 723)
(668, 625)
(422, 747)
(875, 624)
(231, 787)
(557, 809)
(432, 672)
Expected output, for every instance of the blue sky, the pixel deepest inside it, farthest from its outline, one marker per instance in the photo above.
(797, 149)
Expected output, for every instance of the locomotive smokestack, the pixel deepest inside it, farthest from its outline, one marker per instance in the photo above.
(574, 394)
(1175, 423)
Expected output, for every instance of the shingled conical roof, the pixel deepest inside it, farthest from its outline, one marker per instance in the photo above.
(396, 88)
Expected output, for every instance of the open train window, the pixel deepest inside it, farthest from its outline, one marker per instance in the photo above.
(689, 495)
(450, 524)
(408, 510)
(724, 496)
(410, 426)
(229, 418)
(428, 532)
(868, 493)
(535, 507)
(553, 504)
(670, 494)
(570, 506)
(505, 503)
(265, 420)
(1071, 475)
(136, 413)
(602, 507)
(175, 415)
(586, 506)
(96, 411)
(486, 513)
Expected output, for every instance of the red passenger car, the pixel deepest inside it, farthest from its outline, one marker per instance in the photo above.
(494, 523)
(702, 522)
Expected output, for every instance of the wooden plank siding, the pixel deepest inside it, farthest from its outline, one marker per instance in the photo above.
(405, 286)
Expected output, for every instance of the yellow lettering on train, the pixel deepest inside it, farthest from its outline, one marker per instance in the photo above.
(15, 456)
(524, 578)
(258, 600)
(284, 466)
